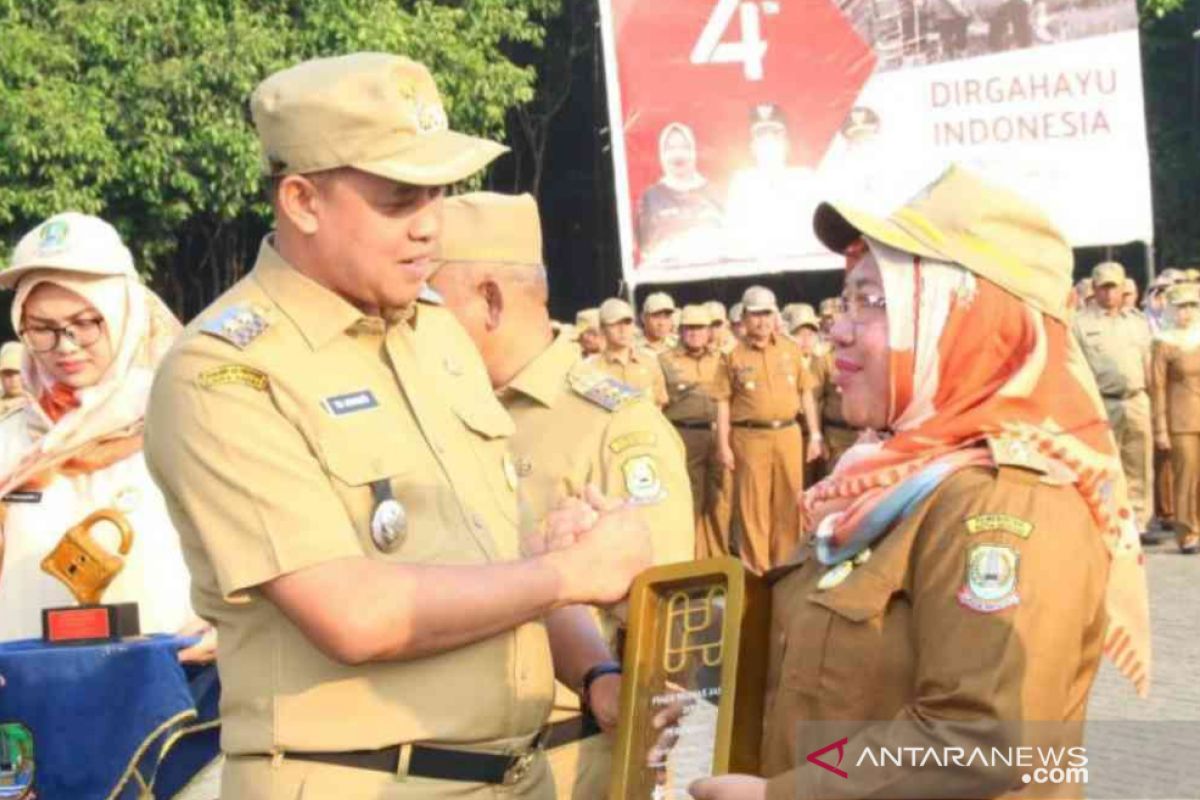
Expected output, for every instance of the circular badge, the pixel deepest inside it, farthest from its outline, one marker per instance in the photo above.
(388, 525)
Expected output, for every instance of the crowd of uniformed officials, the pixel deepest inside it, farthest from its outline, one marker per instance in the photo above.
(403, 491)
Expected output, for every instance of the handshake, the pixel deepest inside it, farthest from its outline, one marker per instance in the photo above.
(595, 544)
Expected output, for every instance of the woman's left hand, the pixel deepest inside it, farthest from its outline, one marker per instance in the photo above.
(203, 651)
(729, 787)
(816, 450)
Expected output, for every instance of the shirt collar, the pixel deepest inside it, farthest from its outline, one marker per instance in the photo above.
(542, 378)
(318, 313)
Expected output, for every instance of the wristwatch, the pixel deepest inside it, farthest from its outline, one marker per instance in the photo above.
(589, 677)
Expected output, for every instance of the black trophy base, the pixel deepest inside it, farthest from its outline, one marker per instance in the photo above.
(90, 624)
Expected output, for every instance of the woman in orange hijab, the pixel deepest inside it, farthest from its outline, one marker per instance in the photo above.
(973, 554)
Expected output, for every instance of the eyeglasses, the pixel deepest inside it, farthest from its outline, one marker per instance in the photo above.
(863, 307)
(82, 333)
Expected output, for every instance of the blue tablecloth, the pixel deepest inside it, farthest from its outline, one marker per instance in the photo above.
(108, 719)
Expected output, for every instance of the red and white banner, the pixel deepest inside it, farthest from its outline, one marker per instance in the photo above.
(732, 119)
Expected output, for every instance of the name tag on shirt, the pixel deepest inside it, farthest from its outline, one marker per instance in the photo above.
(23, 497)
(342, 404)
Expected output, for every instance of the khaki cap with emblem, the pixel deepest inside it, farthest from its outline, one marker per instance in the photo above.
(614, 309)
(961, 218)
(1172, 275)
(72, 242)
(696, 315)
(587, 320)
(491, 228)
(375, 112)
(1179, 294)
(716, 310)
(1110, 273)
(658, 301)
(831, 306)
(736, 312)
(11, 356)
(758, 298)
(802, 315)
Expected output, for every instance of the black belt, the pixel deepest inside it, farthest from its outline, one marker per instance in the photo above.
(839, 425)
(771, 425)
(1125, 396)
(432, 762)
(693, 426)
(569, 730)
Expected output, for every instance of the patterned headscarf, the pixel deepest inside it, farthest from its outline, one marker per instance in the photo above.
(971, 362)
(88, 429)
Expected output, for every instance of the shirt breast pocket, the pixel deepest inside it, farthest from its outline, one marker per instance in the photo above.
(397, 505)
(837, 646)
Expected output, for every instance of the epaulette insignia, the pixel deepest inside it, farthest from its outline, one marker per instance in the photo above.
(603, 390)
(1007, 452)
(238, 325)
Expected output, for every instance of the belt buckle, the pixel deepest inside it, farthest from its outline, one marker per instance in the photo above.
(520, 768)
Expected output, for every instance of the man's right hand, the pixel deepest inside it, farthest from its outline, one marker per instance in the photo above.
(1162, 442)
(725, 456)
(604, 559)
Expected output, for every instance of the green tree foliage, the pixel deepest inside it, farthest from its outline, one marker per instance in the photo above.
(1171, 71)
(136, 109)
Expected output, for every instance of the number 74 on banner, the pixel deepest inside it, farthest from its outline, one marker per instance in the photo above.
(749, 50)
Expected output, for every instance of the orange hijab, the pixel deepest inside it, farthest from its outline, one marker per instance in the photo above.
(969, 361)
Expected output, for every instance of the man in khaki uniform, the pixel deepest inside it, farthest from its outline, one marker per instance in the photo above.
(831, 309)
(14, 394)
(804, 327)
(575, 426)
(337, 467)
(658, 323)
(622, 358)
(1116, 343)
(737, 325)
(722, 337)
(1129, 295)
(765, 387)
(587, 331)
(691, 372)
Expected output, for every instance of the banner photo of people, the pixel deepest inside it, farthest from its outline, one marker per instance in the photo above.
(732, 119)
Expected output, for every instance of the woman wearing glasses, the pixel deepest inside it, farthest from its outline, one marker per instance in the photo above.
(93, 336)
(956, 584)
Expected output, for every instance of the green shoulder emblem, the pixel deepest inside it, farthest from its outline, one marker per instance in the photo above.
(239, 325)
(603, 390)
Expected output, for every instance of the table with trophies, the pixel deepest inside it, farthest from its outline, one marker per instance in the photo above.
(93, 708)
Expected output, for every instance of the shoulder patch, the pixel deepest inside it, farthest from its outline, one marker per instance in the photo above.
(990, 582)
(634, 439)
(1008, 452)
(603, 390)
(233, 373)
(1005, 523)
(239, 325)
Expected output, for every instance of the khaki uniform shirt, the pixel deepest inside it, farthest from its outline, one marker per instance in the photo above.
(10, 404)
(639, 370)
(691, 384)
(576, 426)
(933, 628)
(831, 394)
(1117, 348)
(271, 440)
(764, 384)
(664, 345)
(1175, 389)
